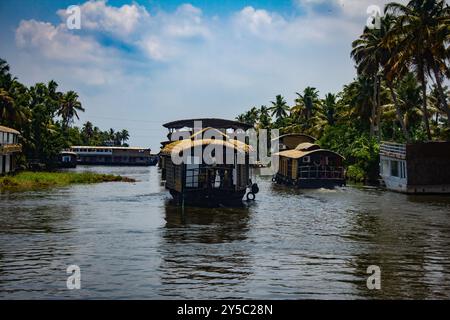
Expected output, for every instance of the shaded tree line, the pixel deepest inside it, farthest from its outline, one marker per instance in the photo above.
(398, 94)
(45, 117)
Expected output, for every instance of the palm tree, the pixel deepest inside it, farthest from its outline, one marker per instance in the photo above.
(69, 107)
(372, 56)
(307, 101)
(279, 107)
(414, 36)
(125, 135)
(264, 117)
(329, 108)
(87, 132)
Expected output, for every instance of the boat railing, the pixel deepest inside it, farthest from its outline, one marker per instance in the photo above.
(321, 172)
(201, 178)
(392, 149)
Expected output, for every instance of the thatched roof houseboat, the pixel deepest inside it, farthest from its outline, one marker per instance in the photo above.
(309, 166)
(210, 172)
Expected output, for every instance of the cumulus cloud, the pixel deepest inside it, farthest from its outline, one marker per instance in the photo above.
(119, 21)
(186, 62)
(55, 42)
(347, 8)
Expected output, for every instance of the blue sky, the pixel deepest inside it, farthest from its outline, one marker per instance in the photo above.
(138, 64)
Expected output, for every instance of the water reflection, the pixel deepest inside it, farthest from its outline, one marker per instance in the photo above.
(403, 247)
(202, 252)
(132, 242)
(32, 244)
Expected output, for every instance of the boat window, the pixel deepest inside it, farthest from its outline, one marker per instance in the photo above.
(402, 169)
(306, 159)
(394, 168)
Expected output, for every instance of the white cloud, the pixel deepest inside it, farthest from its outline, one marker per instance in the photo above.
(55, 42)
(120, 21)
(258, 21)
(184, 62)
(348, 8)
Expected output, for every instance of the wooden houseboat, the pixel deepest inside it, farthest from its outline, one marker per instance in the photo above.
(416, 168)
(291, 140)
(116, 156)
(193, 181)
(309, 166)
(9, 148)
(67, 159)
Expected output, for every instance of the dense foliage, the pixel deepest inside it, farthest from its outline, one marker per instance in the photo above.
(399, 92)
(45, 118)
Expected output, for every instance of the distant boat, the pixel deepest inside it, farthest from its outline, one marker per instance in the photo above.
(308, 166)
(67, 159)
(114, 156)
(198, 183)
(416, 168)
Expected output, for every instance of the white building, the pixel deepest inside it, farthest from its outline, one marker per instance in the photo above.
(9, 147)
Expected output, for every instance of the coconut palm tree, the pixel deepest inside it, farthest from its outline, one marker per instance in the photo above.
(413, 36)
(279, 108)
(125, 135)
(68, 108)
(307, 102)
(372, 53)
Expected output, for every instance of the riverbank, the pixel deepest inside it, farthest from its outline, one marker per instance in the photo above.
(37, 180)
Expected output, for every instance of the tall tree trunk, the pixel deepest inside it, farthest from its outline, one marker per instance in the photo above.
(442, 97)
(374, 108)
(423, 82)
(399, 112)
(378, 108)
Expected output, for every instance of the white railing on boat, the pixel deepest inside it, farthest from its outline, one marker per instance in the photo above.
(392, 149)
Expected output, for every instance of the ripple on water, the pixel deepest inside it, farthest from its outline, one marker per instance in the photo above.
(131, 241)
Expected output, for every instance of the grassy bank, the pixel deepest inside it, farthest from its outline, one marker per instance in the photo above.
(38, 180)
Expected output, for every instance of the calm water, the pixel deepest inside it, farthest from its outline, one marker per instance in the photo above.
(131, 242)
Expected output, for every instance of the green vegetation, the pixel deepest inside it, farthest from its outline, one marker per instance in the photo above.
(398, 93)
(45, 118)
(37, 180)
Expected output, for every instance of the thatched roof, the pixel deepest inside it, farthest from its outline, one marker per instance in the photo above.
(297, 154)
(307, 137)
(208, 122)
(183, 145)
(8, 130)
(306, 146)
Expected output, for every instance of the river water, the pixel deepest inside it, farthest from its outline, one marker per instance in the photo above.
(130, 241)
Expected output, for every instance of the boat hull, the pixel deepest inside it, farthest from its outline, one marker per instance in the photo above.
(210, 198)
(310, 183)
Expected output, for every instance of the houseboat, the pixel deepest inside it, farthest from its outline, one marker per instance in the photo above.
(67, 159)
(116, 156)
(208, 183)
(416, 168)
(291, 140)
(309, 166)
(9, 149)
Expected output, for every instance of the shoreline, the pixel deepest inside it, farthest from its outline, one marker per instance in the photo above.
(28, 180)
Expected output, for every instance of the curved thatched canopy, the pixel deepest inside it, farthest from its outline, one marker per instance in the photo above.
(208, 122)
(8, 130)
(184, 145)
(305, 137)
(306, 146)
(297, 154)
